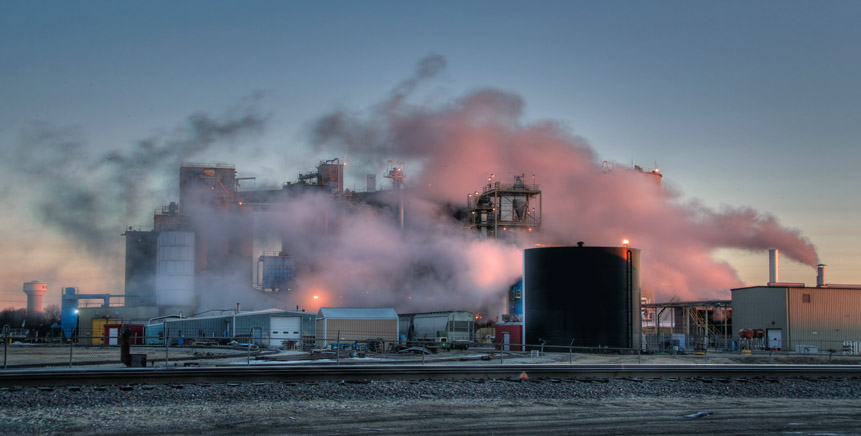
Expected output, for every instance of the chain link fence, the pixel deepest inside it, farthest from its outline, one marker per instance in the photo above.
(258, 348)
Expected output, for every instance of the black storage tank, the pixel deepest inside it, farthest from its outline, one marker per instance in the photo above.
(589, 294)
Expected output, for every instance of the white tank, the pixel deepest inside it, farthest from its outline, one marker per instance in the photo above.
(174, 283)
(35, 290)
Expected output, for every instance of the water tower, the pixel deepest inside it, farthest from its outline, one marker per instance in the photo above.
(35, 290)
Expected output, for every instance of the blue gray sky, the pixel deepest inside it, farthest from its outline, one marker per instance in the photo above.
(740, 104)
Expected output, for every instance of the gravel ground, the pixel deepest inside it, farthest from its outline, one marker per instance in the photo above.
(611, 406)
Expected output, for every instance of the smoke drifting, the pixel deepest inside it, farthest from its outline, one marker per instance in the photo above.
(454, 147)
(72, 199)
(350, 254)
(361, 257)
(89, 196)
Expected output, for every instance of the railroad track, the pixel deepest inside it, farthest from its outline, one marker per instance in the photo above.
(239, 373)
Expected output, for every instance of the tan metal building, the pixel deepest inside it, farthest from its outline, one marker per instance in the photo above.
(799, 318)
(350, 324)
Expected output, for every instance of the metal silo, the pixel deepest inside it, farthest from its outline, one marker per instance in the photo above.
(590, 295)
(175, 270)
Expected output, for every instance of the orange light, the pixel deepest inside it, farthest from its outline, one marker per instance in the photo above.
(316, 297)
(240, 203)
(625, 242)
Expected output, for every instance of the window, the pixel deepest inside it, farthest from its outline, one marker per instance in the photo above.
(805, 298)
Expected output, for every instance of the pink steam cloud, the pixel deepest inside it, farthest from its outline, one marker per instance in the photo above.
(453, 148)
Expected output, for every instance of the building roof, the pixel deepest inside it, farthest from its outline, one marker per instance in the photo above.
(830, 286)
(357, 313)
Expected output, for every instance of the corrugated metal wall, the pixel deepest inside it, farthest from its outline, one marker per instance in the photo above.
(759, 308)
(829, 317)
(355, 330)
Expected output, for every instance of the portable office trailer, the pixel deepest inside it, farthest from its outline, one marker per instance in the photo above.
(348, 325)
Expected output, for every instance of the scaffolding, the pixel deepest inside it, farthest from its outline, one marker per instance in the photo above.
(501, 211)
(688, 325)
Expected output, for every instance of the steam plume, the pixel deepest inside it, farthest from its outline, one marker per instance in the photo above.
(455, 146)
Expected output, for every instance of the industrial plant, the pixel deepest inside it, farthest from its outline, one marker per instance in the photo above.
(590, 297)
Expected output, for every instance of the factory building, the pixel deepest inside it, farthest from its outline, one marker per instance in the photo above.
(205, 241)
(275, 328)
(799, 318)
(98, 325)
(586, 296)
(339, 325)
(505, 211)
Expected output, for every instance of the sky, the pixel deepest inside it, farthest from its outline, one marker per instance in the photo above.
(744, 106)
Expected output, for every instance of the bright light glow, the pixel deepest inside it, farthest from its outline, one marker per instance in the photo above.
(625, 242)
(316, 297)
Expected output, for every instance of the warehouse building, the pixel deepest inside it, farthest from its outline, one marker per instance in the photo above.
(272, 327)
(795, 317)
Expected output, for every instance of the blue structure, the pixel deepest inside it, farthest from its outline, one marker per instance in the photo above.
(515, 298)
(69, 312)
(69, 309)
(278, 271)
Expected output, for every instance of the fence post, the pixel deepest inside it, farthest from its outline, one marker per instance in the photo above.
(338, 349)
(571, 352)
(6, 329)
(166, 342)
(71, 347)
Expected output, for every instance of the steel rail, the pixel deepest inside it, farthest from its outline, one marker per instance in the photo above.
(86, 376)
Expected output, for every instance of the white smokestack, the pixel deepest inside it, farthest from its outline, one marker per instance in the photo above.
(820, 275)
(773, 265)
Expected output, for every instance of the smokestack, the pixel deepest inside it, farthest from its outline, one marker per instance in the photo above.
(820, 275)
(237, 307)
(35, 290)
(773, 265)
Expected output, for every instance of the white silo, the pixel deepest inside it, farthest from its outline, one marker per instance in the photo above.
(175, 269)
(35, 290)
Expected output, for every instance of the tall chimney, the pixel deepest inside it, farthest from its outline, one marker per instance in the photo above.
(773, 265)
(820, 275)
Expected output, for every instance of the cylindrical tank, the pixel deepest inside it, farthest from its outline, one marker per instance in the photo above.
(590, 295)
(175, 269)
(35, 290)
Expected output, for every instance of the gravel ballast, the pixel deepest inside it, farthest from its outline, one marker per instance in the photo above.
(233, 408)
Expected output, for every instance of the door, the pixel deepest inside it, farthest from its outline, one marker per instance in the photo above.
(506, 340)
(113, 336)
(285, 331)
(775, 339)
